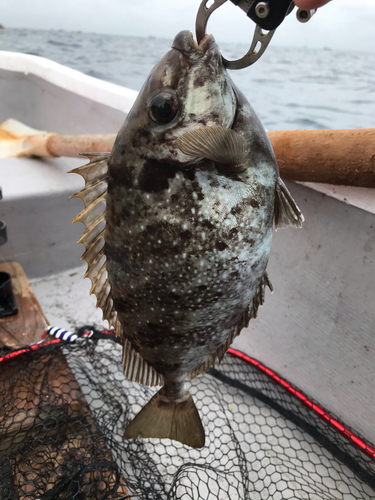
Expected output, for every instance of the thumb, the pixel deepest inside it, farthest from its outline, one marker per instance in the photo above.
(310, 4)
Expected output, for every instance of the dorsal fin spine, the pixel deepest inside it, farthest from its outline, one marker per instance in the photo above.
(93, 272)
(107, 307)
(112, 321)
(82, 216)
(98, 281)
(89, 233)
(95, 247)
(92, 269)
(94, 280)
(91, 191)
(101, 291)
(103, 297)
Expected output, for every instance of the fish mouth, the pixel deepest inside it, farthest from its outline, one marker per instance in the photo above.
(185, 43)
(205, 43)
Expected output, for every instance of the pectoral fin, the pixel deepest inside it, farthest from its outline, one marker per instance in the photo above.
(219, 144)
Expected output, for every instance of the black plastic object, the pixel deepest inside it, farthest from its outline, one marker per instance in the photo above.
(278, 10)
(3, 226)
(8, 305)
(3, 233)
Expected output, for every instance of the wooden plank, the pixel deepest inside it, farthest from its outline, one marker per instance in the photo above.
(26, 326)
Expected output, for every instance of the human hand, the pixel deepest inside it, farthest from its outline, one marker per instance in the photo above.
(310, 4)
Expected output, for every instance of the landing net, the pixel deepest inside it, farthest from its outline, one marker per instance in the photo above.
(64, 408)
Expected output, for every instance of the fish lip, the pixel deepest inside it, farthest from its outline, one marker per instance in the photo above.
(184, 42)
(205, 43)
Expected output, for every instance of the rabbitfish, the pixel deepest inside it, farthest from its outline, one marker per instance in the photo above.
(179, 220)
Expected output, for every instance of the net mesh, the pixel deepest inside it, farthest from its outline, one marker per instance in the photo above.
(64, 408)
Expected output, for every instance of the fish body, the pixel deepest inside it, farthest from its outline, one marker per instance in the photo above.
(190, 207)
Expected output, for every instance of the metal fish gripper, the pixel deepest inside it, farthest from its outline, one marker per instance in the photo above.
(267, 15)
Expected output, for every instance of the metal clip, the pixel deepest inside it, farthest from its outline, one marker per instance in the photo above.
(267, 15)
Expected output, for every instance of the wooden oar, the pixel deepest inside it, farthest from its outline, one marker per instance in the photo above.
(18, 139)
(345, 157)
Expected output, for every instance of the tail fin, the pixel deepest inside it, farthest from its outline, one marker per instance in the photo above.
(161, 418)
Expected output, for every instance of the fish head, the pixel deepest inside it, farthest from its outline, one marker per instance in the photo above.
(188, 89)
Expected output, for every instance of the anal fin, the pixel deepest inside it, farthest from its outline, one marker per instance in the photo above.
(136, 368)
(249, 313)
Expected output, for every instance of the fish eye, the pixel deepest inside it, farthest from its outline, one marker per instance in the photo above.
(163, 107)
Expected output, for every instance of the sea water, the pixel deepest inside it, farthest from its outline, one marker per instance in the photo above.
(290, 88)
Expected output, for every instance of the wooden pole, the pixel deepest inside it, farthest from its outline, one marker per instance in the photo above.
(341, 157)
(345, 157)
(61, 145)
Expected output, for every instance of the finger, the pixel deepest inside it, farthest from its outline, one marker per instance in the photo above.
(310, 4)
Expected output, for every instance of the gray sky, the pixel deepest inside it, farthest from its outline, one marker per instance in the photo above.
(342, 24)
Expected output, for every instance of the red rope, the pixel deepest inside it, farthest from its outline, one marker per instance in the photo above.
(324, 415)
(32, 347)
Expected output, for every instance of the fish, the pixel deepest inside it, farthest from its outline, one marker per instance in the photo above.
(178, 221)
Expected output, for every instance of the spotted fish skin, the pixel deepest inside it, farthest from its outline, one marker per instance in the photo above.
(187, 243)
